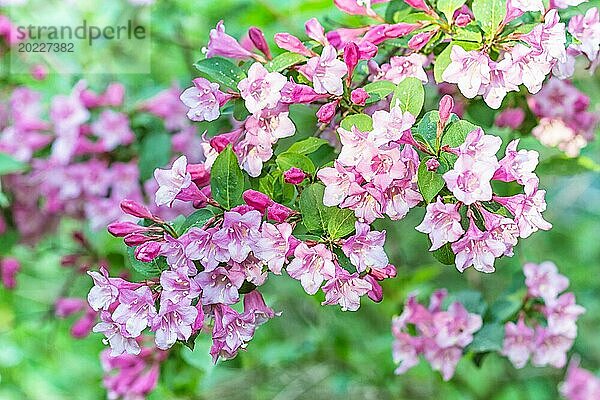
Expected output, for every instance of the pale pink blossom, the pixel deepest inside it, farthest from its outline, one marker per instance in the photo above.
(222, 44)
(172, 181)
(135, 310)
(477, 249)
(544, 280)
(346, 290)
(517, 165)
(469, 180)
(113, 129)
(326, 72)
(518, 342)
(441, 223)
(311, 265)
(580, 384)
(204, 100)
(365, 248)
(273, 245)
(470, 70)
(400, 68)
(261, 89)
(173, 322)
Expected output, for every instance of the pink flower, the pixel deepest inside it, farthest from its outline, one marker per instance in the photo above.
(586, 29)
(511, 118)
(517, 165)
(469, 181)
(9, 267)
(549, 38)
(346, 290)
(358, 7)
(544, 280)
(400, 68)
(294, 176)
(481, 147)
(311, 265)
(106, 290)
(359, 96)
(579, 383)
(261, 89)
(399, 198)
(220, 286)
(526, 68)
(113, 129)
(273, 245)
(518, 342)
(135, 310)
(173, 322)
(367, 202)
(66, 306)
(172, 181)
(337, 183)
(365, 248)
(390, 126)
(470, 70)
(562, 314)
(118, 338)
(200, 246)
(255, 304)
(222, 44)
(444, 360)
(177, 287)
(496, 90)
(204, 100)
(238, 233)
(478, 249)
(231, 332)
(315, 31)
(550, 348)
(326, 72)
(456, 326)
(291, 43)
(441, 223)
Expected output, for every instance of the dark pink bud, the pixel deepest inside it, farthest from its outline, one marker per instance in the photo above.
(376, 292)
(243, 209)
(327, 112)
(418, 4)
(462, 20)
(136, 239)
(367, 50)
(136, 209)
(293, 93)
(359, 96)
(383, 273)
(293, 244)
(69, 260)
(89, 98)
(9, 267)
(122, 229)
(399, 30)
(511, 118)
(220, 142)
(291, 43)
(432, 164)
(258, 39)
(84, 325)
(339, 37)
(39, 72)
(294, 176)
(446, 107)
(278, 212)
(351, 56)
(419, 41)
(65, 306)
(257, 200)
(199, 322)
(201, 203)
(148, 251)
(200, 175)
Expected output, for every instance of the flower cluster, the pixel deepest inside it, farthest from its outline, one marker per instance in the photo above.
(440, 337)
(546, 328)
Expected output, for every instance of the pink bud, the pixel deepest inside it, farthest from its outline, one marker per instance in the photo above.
(201, 203)
(136, 239)
(136, 209)
(383, 273)
(511, 118)
(220, 142)
(367, 50)
(200, 175)
(122, 229)
(294, 176)
(199, 322)
(257, 200)
(278, 212)
(462, 20)
(432, 164)
(446, 107)
(39, 72)
(359, 96)
(148, 251)
(293, 93)
(315, 31)
(9, 267)
(291, 43)
(258, 39)
(65, 306)
(418, 4)
(351, 55)
(327, 112)
(376, 292)
(114, 95)
(69, 260)
(419, 41)
(89, 98)
(84, 325)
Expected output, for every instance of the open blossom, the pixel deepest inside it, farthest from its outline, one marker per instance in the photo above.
(261, 89)
(312, 265)
(106, 290)
(562, 314)
(273, 245)
(135, 310)
(526, 68)
(172, 181)
(365, 248)
(173, 322)
(518, 343)
(113, 129)
(400, 68)
(220, 286)
(456, 326)
(478, 249)
(390, 126)
(550, 348)
(586, 29)
(204, 100)
(580, 384)
(548, 38)
(470, 70)
(177, 286)
(517, 165)
(442, 223)
(346, 290)
(232, 331)
(337, 182)
(118, 338)
(238, 234)
(544, 281)
(222, 44)
(326, 72)
(469, 180)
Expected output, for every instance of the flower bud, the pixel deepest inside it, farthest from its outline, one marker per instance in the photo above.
(113, 95)
(291, 43)
(9, 267)
(148, 251)
(294, 176)
(510, 118)
(432, 164)
(462, 20)
(84, 325)
(258, 39)
(315, 31)
(200, 175)
(351, 55)
(199, 321)
(367, 51)
(136, 209)
(446, 107)
(122, 229)
(39, 72)
(419, 41)
(66, 306)
(359, 96)
(376, 292)
(278, 212)
(257, 200)
(201, 203)
(383, 273)
(136, 239)
(418, 4)
(327, 112)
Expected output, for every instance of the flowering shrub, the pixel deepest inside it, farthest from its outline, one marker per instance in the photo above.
(401, 115)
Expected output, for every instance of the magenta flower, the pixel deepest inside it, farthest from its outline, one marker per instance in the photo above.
(478, 249)
(255, 304)
(441, 223)
(261, 89)
(273, 245)
(470, 70)
(518, 342)
(222, 44)
(232, 331)
(326, 72)
(118, 338)
(9, 267)
(365, 248)
(204, 100)
(173, 322)
(220, 286)
(238, 234)
(312, 265)
(346, 290)
(135, 310)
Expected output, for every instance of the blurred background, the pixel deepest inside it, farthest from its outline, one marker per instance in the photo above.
(310, 351)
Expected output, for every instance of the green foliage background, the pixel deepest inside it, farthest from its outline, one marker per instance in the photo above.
(310, 351)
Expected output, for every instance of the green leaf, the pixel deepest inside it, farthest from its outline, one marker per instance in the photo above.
(284, 61)
(444, 254)
(196, 220)
(443, 59)
(227, 180)
(489, 14)
(409, 95)
(221, 71)
(488, 338)
(379, 90)
(430, 183)
(307, 146)
(9, 165)
(287, 160)
(155, 152)
(315, 215)
(447, 7)
(240, 112)
(563, 165)
(341, 222)
(427, 128)
(456, 133)
(150, 269)
(363, 122)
